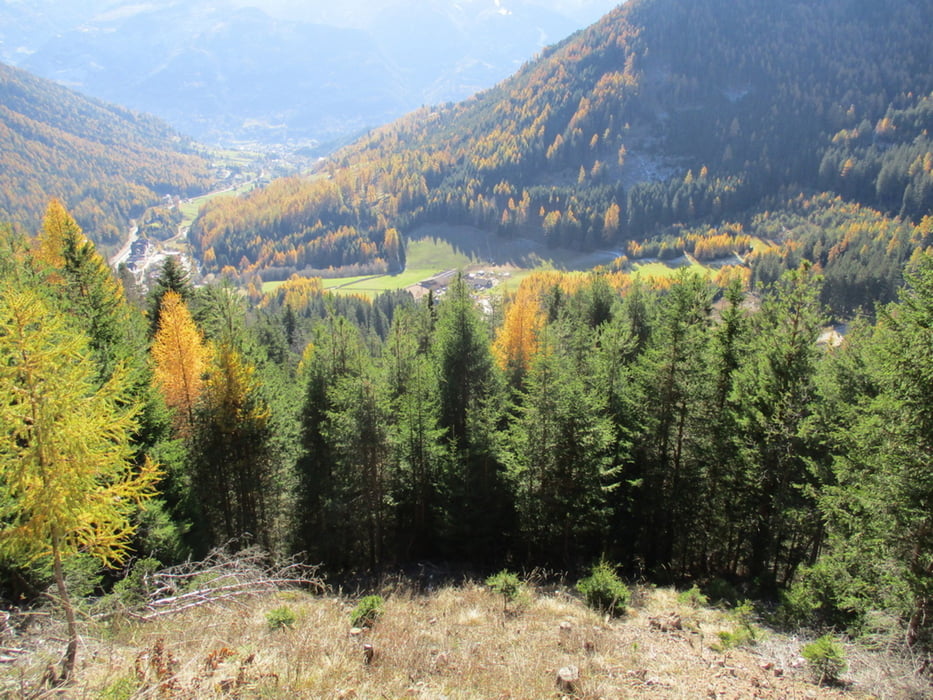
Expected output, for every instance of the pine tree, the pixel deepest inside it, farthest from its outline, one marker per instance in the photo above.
(773, 396)
(673, 374)
(232, 465)
(476, 501)
(418, 449)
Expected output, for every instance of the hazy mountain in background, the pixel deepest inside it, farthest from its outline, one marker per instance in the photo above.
(228, 69)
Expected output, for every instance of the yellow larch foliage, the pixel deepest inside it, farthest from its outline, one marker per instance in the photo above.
(180, 358)
(57, 224)
(517, 340)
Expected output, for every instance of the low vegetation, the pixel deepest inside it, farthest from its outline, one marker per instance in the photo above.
(453, 642)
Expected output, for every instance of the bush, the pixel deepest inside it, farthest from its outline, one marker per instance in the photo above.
(603, 590)
(721, 591)
(134, 589)
(506, 584)
(280, 618)
(744, 633)
(367, 611)
(692, 597)
(825, 658)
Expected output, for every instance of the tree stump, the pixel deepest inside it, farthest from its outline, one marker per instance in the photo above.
(368, 653)
(567, 679)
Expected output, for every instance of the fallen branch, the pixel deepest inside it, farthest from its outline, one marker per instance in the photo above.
(220, 579)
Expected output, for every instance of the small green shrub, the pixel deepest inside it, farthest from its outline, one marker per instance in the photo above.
(121, 689)
(730, 639)
(824, 595)
(603, 590)
(280, 618)
(133, 589)
(506, 584)
(693, 597)
(825, 658)
(721, 591)
(744, 633)
(367, 611)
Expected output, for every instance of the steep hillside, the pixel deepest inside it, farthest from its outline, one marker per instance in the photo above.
(663, 113)
(106, 163)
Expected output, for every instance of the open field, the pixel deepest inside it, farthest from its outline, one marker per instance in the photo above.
(431, 250)
(189, 209)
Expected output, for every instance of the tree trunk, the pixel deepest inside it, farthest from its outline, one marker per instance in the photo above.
(68, 663)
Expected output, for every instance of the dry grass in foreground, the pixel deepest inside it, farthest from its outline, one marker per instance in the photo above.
(457, 642)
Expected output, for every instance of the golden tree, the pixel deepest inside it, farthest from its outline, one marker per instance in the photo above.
(180, 358)
(67, 475)
(517, 340)
(57, 226)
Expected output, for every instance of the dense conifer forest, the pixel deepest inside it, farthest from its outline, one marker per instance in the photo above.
(690, 432)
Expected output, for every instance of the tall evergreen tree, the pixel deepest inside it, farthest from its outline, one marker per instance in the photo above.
(674, 374)
(419, 452)
(774, 394)
(232, 468)
(476, 501)
(337, 352)
(561, 461)
(879, 512)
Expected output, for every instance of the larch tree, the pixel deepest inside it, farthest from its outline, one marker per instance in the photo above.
(517, 339)
(67, 474)
(57, 225)
(180, 358)
(172, 278)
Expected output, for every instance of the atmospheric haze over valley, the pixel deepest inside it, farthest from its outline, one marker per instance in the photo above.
(283, 71)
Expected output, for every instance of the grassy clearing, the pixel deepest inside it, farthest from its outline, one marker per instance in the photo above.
(372, 285)
(432, 251)
(662, 270)
(455, 643)
(435, 255)
(190, 208)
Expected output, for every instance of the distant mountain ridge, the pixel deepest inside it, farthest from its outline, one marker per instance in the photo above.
(664, 113)
(104, 162)
(222, 70)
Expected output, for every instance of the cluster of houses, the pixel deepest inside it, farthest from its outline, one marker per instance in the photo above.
(479, 281)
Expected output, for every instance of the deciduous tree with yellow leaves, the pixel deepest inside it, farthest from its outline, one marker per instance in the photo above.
(180, 358)
(68, 482)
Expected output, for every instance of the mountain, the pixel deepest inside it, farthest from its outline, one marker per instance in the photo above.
(663, 114)
(232, 69)
(104, 162)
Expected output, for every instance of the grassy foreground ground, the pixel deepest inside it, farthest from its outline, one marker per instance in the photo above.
(455, 642)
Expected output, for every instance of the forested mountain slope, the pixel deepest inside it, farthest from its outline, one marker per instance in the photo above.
(105, 162)
(662, 113)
